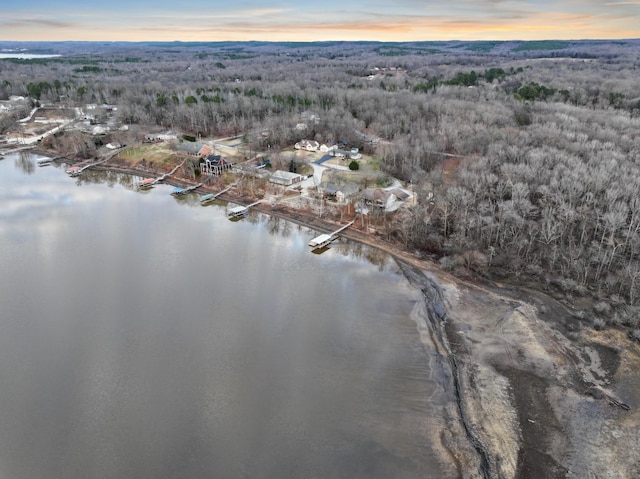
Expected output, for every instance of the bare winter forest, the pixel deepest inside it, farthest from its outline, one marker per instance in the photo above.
(531, 149)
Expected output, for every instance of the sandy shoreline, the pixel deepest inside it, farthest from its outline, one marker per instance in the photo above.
(534, 394)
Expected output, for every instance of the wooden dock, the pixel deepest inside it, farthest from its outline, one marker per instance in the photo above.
(146, 183)
(76, 170)
(204, 199)
(323, 240)
(178, 191)
(240, 211)
(160, 179)
(16, 150)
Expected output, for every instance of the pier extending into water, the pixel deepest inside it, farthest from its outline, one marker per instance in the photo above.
(204, 199)
(16, 150)
(151, 182)
(76, 170)
(178, 191)
(160, 179)
(240, 211)
(323, 240)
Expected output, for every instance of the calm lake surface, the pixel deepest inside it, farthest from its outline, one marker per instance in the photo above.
(143, 336)
(25, 56)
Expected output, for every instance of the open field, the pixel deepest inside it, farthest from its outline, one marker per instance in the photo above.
(158, 153)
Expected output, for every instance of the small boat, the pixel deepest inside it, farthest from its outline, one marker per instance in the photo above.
(44, 161)
(206, 198)
(146, 183)
(177, 191)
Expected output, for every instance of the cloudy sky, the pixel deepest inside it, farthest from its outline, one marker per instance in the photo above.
(286, 20)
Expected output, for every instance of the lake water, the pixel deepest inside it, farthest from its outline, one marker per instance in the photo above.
(149, 337)
(26, 56)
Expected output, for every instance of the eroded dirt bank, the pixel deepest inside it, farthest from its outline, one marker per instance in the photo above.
(538, 395)
(531, 393)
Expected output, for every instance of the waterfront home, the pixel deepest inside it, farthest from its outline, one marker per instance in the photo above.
(214, 165)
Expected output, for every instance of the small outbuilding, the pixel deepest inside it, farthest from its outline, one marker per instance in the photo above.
(285, 178)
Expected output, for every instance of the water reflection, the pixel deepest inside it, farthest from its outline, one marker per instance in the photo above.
(141, 338)
(190, 199)
(278, 226)
(26, 162)
(273, 225)
(106, 177)
(319, 251)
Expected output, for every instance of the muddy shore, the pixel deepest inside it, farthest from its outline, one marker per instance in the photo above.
(532, 393)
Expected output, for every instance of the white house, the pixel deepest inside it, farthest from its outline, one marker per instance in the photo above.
(324, 148)
(308, 145)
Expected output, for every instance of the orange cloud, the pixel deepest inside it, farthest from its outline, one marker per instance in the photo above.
(273, 24)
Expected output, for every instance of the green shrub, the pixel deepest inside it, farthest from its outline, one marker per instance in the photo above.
(354, 165)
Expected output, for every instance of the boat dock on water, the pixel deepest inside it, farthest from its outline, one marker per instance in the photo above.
(146, 183)
(204, 199)
(237, 212)
(324, 240)
(321, 241)
(240, 211)
(207, 198)
(151, 182)
(178, 191)
(76, 170)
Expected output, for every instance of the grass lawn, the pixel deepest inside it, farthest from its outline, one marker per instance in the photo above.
(152, 152)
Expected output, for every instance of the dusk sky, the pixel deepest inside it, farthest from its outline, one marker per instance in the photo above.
(286, 20)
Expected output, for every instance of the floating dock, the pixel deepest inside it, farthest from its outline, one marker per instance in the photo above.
(146, 183)
(323, 240)
(177, 191)
(204, 199)
(76, 170)
(240, 211)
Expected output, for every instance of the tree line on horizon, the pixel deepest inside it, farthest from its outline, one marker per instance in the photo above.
(532, 155)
